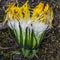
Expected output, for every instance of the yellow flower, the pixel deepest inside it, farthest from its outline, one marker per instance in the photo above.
(16, 12)
(26, 11)
(37, 10)
(41, 13)
(46, 8)
(13, 12)
(26, 27)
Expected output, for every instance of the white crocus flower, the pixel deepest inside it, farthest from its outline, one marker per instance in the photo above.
(24, 24)
(14, 24)
(39, 27)
(29, 29)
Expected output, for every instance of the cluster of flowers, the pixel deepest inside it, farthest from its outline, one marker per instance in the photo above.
(29, 28)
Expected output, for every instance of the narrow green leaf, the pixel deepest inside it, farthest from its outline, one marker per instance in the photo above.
(40, 38)
(21, 37)
(16, 34)
(32, 39)
(35, 41)
(26, 37)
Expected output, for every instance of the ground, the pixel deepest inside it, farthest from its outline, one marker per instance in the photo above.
(50, 46)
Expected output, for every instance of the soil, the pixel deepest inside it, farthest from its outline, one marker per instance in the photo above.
(50, 46)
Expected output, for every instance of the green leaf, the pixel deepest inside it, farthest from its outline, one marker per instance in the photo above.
(16, 34)
(32, 39)
(21, 37)
(25, 52)
(26, 37)
(41, 37)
